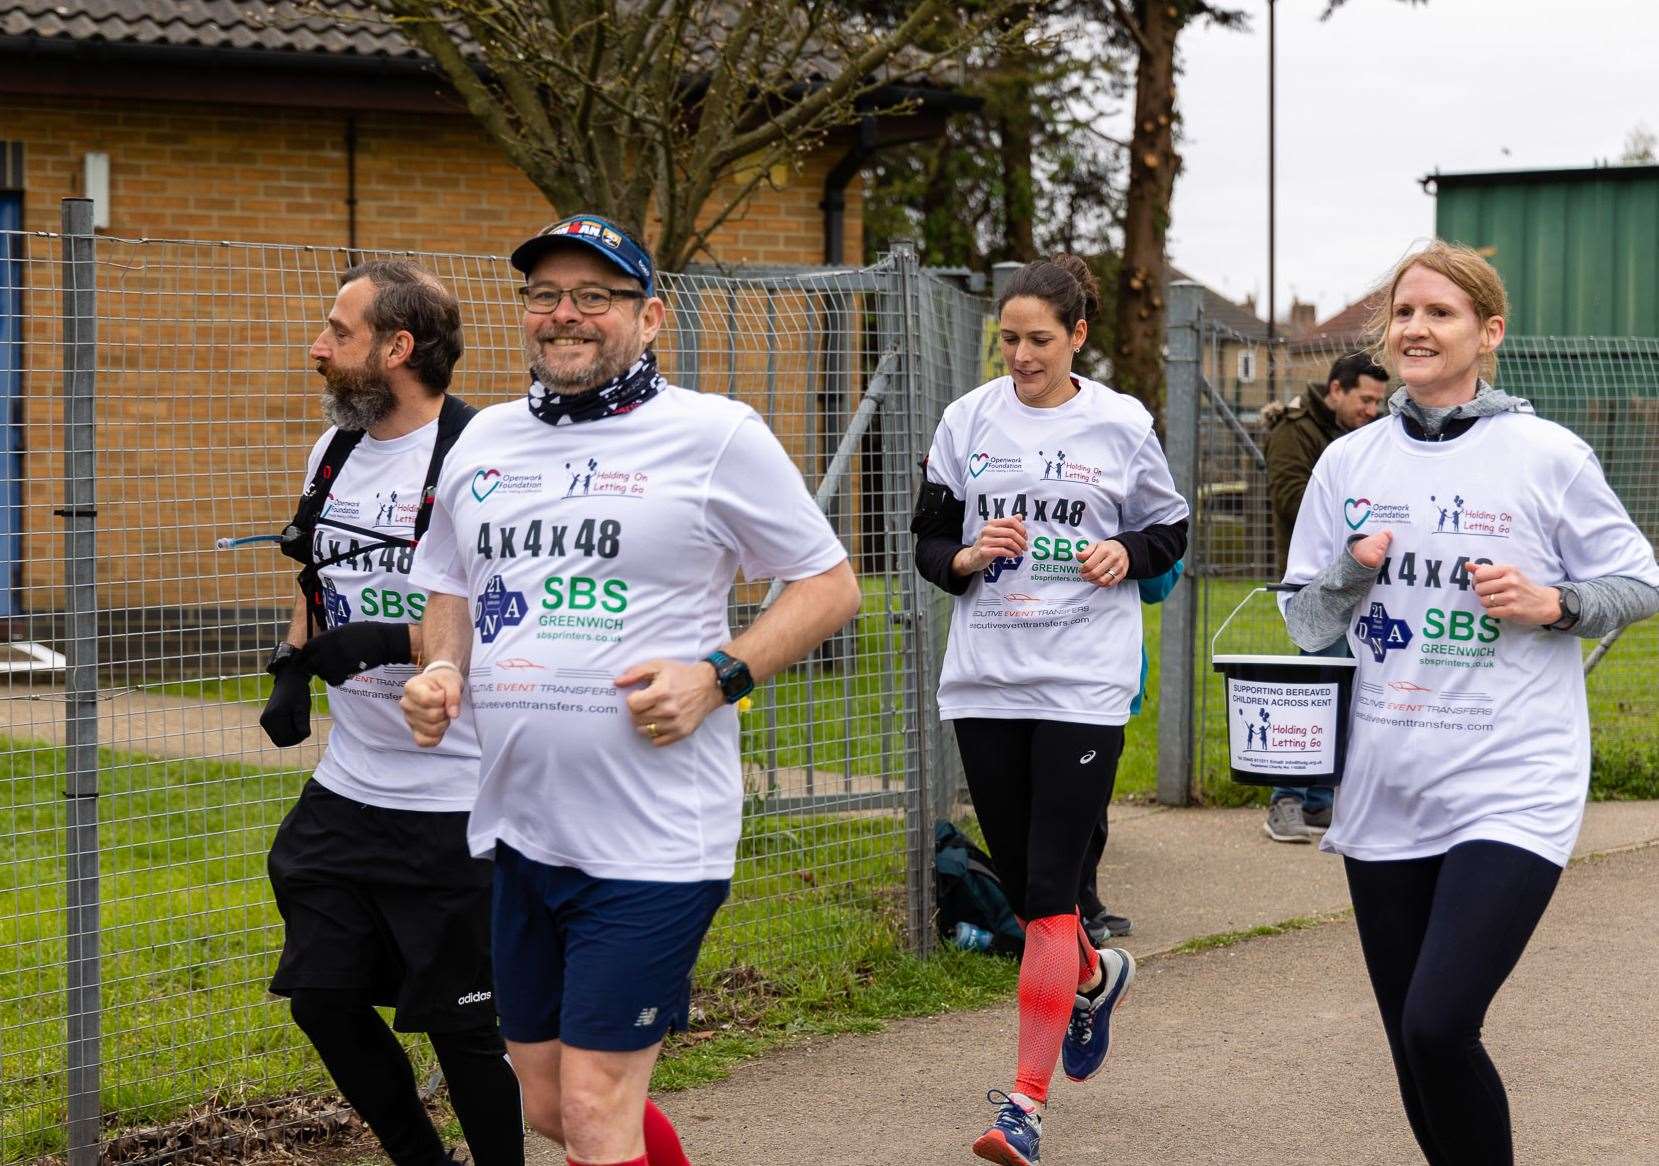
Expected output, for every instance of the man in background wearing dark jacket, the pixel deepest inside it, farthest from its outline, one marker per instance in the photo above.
(1353, 393)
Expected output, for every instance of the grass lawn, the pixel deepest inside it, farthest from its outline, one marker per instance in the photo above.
(811, 941)
(1624, 702)
(840, 721)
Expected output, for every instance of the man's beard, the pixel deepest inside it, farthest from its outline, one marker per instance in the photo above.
(357, 398)
(608, 363)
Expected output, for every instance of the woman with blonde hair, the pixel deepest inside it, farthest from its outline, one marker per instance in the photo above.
(1463, 546)
(1044, 493)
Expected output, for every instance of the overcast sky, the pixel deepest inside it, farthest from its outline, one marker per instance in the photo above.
(1369, 102)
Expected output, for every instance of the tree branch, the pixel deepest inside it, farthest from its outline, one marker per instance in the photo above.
(1126, 21)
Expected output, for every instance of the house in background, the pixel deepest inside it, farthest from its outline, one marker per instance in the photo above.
(1234, 339)
(282, 123)
(1311, 348)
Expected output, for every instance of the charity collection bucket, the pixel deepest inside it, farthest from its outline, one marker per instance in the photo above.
(1287, 716)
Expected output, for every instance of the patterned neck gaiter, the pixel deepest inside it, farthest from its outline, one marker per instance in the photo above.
(621, 394)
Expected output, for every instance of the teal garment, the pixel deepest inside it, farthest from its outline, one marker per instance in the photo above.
(1154, 590)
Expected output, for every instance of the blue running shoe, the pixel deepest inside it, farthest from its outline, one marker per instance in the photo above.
(1012, 1138)
(1089, 1035)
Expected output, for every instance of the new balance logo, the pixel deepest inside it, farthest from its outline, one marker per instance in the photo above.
(646, 1017)
(1086, 758)
(474, 998)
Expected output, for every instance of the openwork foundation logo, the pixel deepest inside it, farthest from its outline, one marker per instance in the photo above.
(985, 462)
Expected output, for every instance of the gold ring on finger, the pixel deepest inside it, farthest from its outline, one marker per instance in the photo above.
(651, 730)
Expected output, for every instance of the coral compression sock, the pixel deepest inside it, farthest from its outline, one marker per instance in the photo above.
(640, 1161)
(662, 1142)
(1048, 990)
(1087, 957)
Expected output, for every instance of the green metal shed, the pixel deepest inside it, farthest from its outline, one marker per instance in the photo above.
(1577, 248)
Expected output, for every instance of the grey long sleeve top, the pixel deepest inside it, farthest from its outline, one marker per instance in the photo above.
(1321, 611)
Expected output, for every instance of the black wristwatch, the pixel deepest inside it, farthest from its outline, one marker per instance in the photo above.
(1570, 610)
(280, 655)
(732, 675)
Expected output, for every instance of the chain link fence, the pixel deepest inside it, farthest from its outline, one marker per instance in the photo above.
(160, 399)
(1606, 390)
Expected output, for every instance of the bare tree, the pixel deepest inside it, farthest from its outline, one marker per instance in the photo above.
(678, 110)
(1641, 146)
(1153, 26)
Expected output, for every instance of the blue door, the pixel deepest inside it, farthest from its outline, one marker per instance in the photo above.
(11, 398)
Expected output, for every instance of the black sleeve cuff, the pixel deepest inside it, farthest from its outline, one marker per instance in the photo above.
(934, 553)
(1154, 550)
(937, 525)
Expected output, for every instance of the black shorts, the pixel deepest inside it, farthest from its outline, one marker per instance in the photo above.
(387, 903)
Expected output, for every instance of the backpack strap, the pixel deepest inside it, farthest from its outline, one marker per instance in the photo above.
(452, 419)
(297, 537)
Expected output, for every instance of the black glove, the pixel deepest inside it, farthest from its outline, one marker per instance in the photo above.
(340, 654)
(287, 716)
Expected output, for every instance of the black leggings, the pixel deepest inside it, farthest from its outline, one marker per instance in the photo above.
(1039, 788)
(373, 1074)
(1088, 887)
(1440, 937)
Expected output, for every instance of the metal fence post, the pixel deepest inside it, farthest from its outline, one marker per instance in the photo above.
(1176, 767)
(918, 859)
(78, 512)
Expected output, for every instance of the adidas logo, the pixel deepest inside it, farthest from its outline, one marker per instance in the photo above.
(474, 998)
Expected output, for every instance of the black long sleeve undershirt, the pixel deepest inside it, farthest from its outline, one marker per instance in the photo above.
(1155, 549)
(937, 525)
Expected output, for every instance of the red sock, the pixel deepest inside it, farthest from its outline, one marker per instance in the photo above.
(641, 1161)
(1048, 989)
(662, 1143)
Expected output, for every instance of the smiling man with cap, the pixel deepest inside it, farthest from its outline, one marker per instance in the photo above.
(590, 534)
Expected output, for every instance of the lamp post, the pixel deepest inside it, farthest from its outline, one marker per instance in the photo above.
(1272, 273)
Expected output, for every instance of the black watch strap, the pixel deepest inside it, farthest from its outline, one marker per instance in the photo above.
(732, 675)
(1571, 612)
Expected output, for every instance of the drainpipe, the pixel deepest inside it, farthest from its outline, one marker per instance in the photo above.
(834, 205)
(351, 187)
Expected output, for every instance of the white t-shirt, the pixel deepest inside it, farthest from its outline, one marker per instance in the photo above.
(370, 755)
(1030, 638)
(1463, 726)
(588, 548)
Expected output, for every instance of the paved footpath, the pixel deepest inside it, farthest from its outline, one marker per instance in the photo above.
(1268, 1051)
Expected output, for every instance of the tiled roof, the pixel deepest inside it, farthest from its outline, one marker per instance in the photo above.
(350, 28)
(1349, 322)
(1218, 309)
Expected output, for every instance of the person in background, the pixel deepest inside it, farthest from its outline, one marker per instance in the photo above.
(1353, 393)
(381, 903)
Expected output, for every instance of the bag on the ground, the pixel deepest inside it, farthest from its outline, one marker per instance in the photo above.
(966, 889)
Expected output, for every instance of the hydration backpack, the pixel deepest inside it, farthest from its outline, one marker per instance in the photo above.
(966, 889)
(296, 537)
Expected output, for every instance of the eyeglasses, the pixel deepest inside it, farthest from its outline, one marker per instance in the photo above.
(590, 301)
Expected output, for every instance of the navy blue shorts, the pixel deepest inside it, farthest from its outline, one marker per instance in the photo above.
(601, 964)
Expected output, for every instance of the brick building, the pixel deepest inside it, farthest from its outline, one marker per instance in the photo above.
(303, 135)
(269, 123)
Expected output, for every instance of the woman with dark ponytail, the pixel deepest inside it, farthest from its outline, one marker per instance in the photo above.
(1043, 493)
